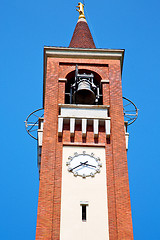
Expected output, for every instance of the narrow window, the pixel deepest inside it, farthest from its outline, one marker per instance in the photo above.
(84, 205)
(84, 213)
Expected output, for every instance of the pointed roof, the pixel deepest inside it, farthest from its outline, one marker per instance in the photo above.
(82, 37)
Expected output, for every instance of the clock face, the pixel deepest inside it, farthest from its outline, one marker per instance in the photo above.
(83, 164)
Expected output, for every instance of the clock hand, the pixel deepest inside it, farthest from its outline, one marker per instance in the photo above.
(84, 163)
(90, 165)
(76, 166)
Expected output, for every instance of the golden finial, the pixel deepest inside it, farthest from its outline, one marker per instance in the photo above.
(80, 10)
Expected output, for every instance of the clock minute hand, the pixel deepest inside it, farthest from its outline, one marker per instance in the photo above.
(77, 166)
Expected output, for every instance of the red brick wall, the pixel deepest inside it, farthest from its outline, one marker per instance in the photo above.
(49, 204)
(119, 156)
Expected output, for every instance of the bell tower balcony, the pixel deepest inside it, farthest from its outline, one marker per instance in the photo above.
(84, 115)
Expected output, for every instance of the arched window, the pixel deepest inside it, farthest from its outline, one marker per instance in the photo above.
(83, 87)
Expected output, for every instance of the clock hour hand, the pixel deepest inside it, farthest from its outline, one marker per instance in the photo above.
(83, 163)
(89, 165)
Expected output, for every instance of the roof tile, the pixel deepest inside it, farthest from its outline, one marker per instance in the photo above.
(82, 37)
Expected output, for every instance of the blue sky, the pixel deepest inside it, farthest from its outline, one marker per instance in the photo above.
(25, 27)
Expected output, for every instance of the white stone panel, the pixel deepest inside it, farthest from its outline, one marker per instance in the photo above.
(91, 112)
(78, 190)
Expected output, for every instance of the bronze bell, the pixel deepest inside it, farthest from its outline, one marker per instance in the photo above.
(84, 93)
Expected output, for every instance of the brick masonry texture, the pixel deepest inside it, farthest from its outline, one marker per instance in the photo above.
(82, 37)
(49, 203)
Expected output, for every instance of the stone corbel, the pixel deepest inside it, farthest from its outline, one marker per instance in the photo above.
(72, 126)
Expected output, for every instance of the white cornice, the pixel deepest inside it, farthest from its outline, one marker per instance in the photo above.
(83, 106)
(60, 52)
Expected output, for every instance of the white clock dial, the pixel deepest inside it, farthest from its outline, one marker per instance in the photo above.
(84, 164)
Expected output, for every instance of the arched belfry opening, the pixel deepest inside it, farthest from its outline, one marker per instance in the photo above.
(83, 87)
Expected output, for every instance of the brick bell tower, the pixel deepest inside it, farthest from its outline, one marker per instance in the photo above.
(84, 187)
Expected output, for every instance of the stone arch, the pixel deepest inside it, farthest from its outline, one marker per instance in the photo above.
(71, 78)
